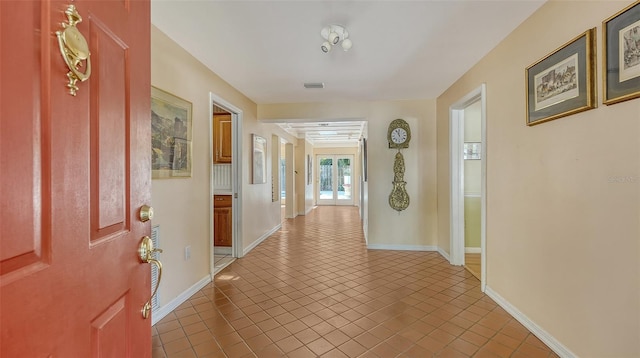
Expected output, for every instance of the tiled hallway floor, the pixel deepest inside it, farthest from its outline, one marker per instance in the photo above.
(313, 289)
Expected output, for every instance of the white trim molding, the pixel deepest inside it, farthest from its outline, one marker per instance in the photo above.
(237, 116)
(401, 247)
(261, 239)
(538, 331)
(182, 298)
(456, 176)
(472, 250)
(444, 254)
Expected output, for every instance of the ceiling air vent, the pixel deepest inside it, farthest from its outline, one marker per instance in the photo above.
(314, 85)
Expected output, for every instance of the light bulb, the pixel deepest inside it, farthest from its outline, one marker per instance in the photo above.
(334, 38)
(325, 32)
(346, 44)
(326, 47)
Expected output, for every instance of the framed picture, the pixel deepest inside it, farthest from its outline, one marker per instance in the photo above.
(621, 65)
(309, 170)
(170, 135)
(472, 151)
(563, 82)
(259, 167)
(364, 159)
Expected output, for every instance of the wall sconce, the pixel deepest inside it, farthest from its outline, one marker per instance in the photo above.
(335, 34)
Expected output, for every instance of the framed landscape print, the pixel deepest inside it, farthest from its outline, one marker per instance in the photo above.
(170, 135)
(621, 59)
(563, 82)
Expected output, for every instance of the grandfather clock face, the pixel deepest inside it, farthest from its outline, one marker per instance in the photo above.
(399, 134)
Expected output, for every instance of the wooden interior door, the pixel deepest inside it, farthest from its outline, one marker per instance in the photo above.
(222, 138)
(74, 172)
(222, 224)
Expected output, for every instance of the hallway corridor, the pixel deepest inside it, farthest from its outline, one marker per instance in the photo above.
(313, 289)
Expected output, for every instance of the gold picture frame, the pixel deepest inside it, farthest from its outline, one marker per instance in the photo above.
(563, 82)
(171, 124)
(621, 55)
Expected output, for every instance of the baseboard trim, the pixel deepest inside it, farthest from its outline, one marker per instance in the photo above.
(444, 254)
(183, 297)
(401, 247)
(538, 331)
(472, 250)
(261, 239)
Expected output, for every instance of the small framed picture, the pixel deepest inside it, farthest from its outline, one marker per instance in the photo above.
(364, 159)
(621, 60)
(472, 151)
(563, 82)
(309, 170)
(259, 159)
(170, 135)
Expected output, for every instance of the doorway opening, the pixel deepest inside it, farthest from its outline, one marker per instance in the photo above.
(335, 179)
(226, 191)
(468, 182)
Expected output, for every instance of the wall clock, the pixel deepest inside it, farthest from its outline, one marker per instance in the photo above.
(398, 136)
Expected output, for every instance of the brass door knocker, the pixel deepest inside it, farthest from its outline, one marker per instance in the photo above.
(74, 49)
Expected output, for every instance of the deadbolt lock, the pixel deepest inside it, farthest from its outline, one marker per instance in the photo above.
(146, 213)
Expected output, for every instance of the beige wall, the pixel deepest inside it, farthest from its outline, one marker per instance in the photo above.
(301, 176)
(309, 196)
(182, 206)
(473, 168)
(416, 226)
(472, 177)
(562, 227)
(472, 213)
(304, 191)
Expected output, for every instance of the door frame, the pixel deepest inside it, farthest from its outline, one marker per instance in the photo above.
(456, 171)
(334, 174)
(236, 174)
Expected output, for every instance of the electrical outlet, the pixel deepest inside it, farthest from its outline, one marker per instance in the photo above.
(187, 252)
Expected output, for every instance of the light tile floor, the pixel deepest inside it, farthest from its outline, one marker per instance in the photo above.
(313, 289)
(221, 261)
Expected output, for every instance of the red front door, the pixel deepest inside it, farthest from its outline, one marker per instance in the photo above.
(74, 172)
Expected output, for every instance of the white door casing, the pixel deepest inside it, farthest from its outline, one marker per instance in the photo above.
(456, 167)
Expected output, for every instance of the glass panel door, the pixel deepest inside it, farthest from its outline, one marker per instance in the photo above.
(335, 179)
(325, 181)
(344, 179)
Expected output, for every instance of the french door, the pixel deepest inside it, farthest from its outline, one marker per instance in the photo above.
(335, 179)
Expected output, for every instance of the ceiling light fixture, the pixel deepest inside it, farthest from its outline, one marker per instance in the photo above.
(335, 34)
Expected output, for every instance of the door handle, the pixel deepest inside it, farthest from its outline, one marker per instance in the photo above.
(145, 252)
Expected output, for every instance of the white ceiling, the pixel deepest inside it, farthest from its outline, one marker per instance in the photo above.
(327, 134)
(401, 49)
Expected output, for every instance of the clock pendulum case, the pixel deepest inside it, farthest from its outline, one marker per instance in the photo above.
(398, 136)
